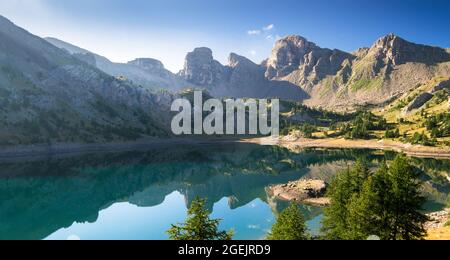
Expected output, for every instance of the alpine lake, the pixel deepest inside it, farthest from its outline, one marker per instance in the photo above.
(138, 195)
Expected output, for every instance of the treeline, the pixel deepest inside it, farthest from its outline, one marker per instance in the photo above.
(438, 125)
(362, 125)
(384, 204)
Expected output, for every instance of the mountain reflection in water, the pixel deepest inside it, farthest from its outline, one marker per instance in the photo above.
(39, 197)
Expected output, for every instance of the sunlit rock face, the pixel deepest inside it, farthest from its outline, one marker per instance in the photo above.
(201, 69)
(295, 53)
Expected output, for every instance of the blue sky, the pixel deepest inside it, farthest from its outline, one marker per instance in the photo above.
(167, 29)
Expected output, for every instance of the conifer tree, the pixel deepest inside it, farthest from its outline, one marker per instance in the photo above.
(387, 205)
(341, 191)
(198, 225)
(290, 225)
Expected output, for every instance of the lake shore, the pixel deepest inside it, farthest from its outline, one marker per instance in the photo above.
(341, 143)
(70, 149)
(67, 149)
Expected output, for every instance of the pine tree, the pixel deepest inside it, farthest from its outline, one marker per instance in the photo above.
(387, 205)
(198, 225)
(405, 201)
(290, 225)
(369, 210)
(341, 192)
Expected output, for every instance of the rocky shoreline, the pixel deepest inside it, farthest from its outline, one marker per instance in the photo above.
(341, 143)
(437, 219)
(436, 226)
(302, 191)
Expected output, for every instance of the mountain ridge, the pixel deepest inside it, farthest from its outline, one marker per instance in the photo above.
(154, 79)
(48, 96)
(302, 71)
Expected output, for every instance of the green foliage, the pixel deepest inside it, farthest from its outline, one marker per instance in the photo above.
(313, 117)
(366, 83)
(439, 125)
(386, 204)
(290, 225)
(308, 130)
(361, 126)
(341, 191)
(392, 134)
(422, 139)
(198, 225)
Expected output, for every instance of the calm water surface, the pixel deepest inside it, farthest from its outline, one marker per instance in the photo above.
(138, 195)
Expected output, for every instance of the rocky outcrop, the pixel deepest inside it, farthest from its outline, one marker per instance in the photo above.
(419, 101)
(442, 85)
(437, 219)
(303, 191)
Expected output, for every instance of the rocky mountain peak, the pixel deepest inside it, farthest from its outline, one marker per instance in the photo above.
(394, 50)
(287, 55)
(200, 55)
(201, 69)
(310, 63)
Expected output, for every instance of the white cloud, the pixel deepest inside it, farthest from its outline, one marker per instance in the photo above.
(253, 52)
(254, 32)
(269, 27)
(269, 37)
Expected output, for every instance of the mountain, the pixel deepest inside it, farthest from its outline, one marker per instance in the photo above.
(300, 70)
(302, 62)
(52, 91)
(240, 78)
(47, 95)
(149, 73)
(339, 81)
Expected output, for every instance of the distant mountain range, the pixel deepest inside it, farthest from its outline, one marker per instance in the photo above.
(298, 70)
(53, 91)
(146, 72)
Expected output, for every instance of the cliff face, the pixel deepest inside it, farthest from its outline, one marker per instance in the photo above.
(303, 61)
(201, 69)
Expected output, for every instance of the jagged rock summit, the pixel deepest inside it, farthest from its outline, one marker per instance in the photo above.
(295, 53)
(240, 78)
(201, 69)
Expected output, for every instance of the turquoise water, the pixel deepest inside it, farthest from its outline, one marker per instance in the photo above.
(138, 195)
